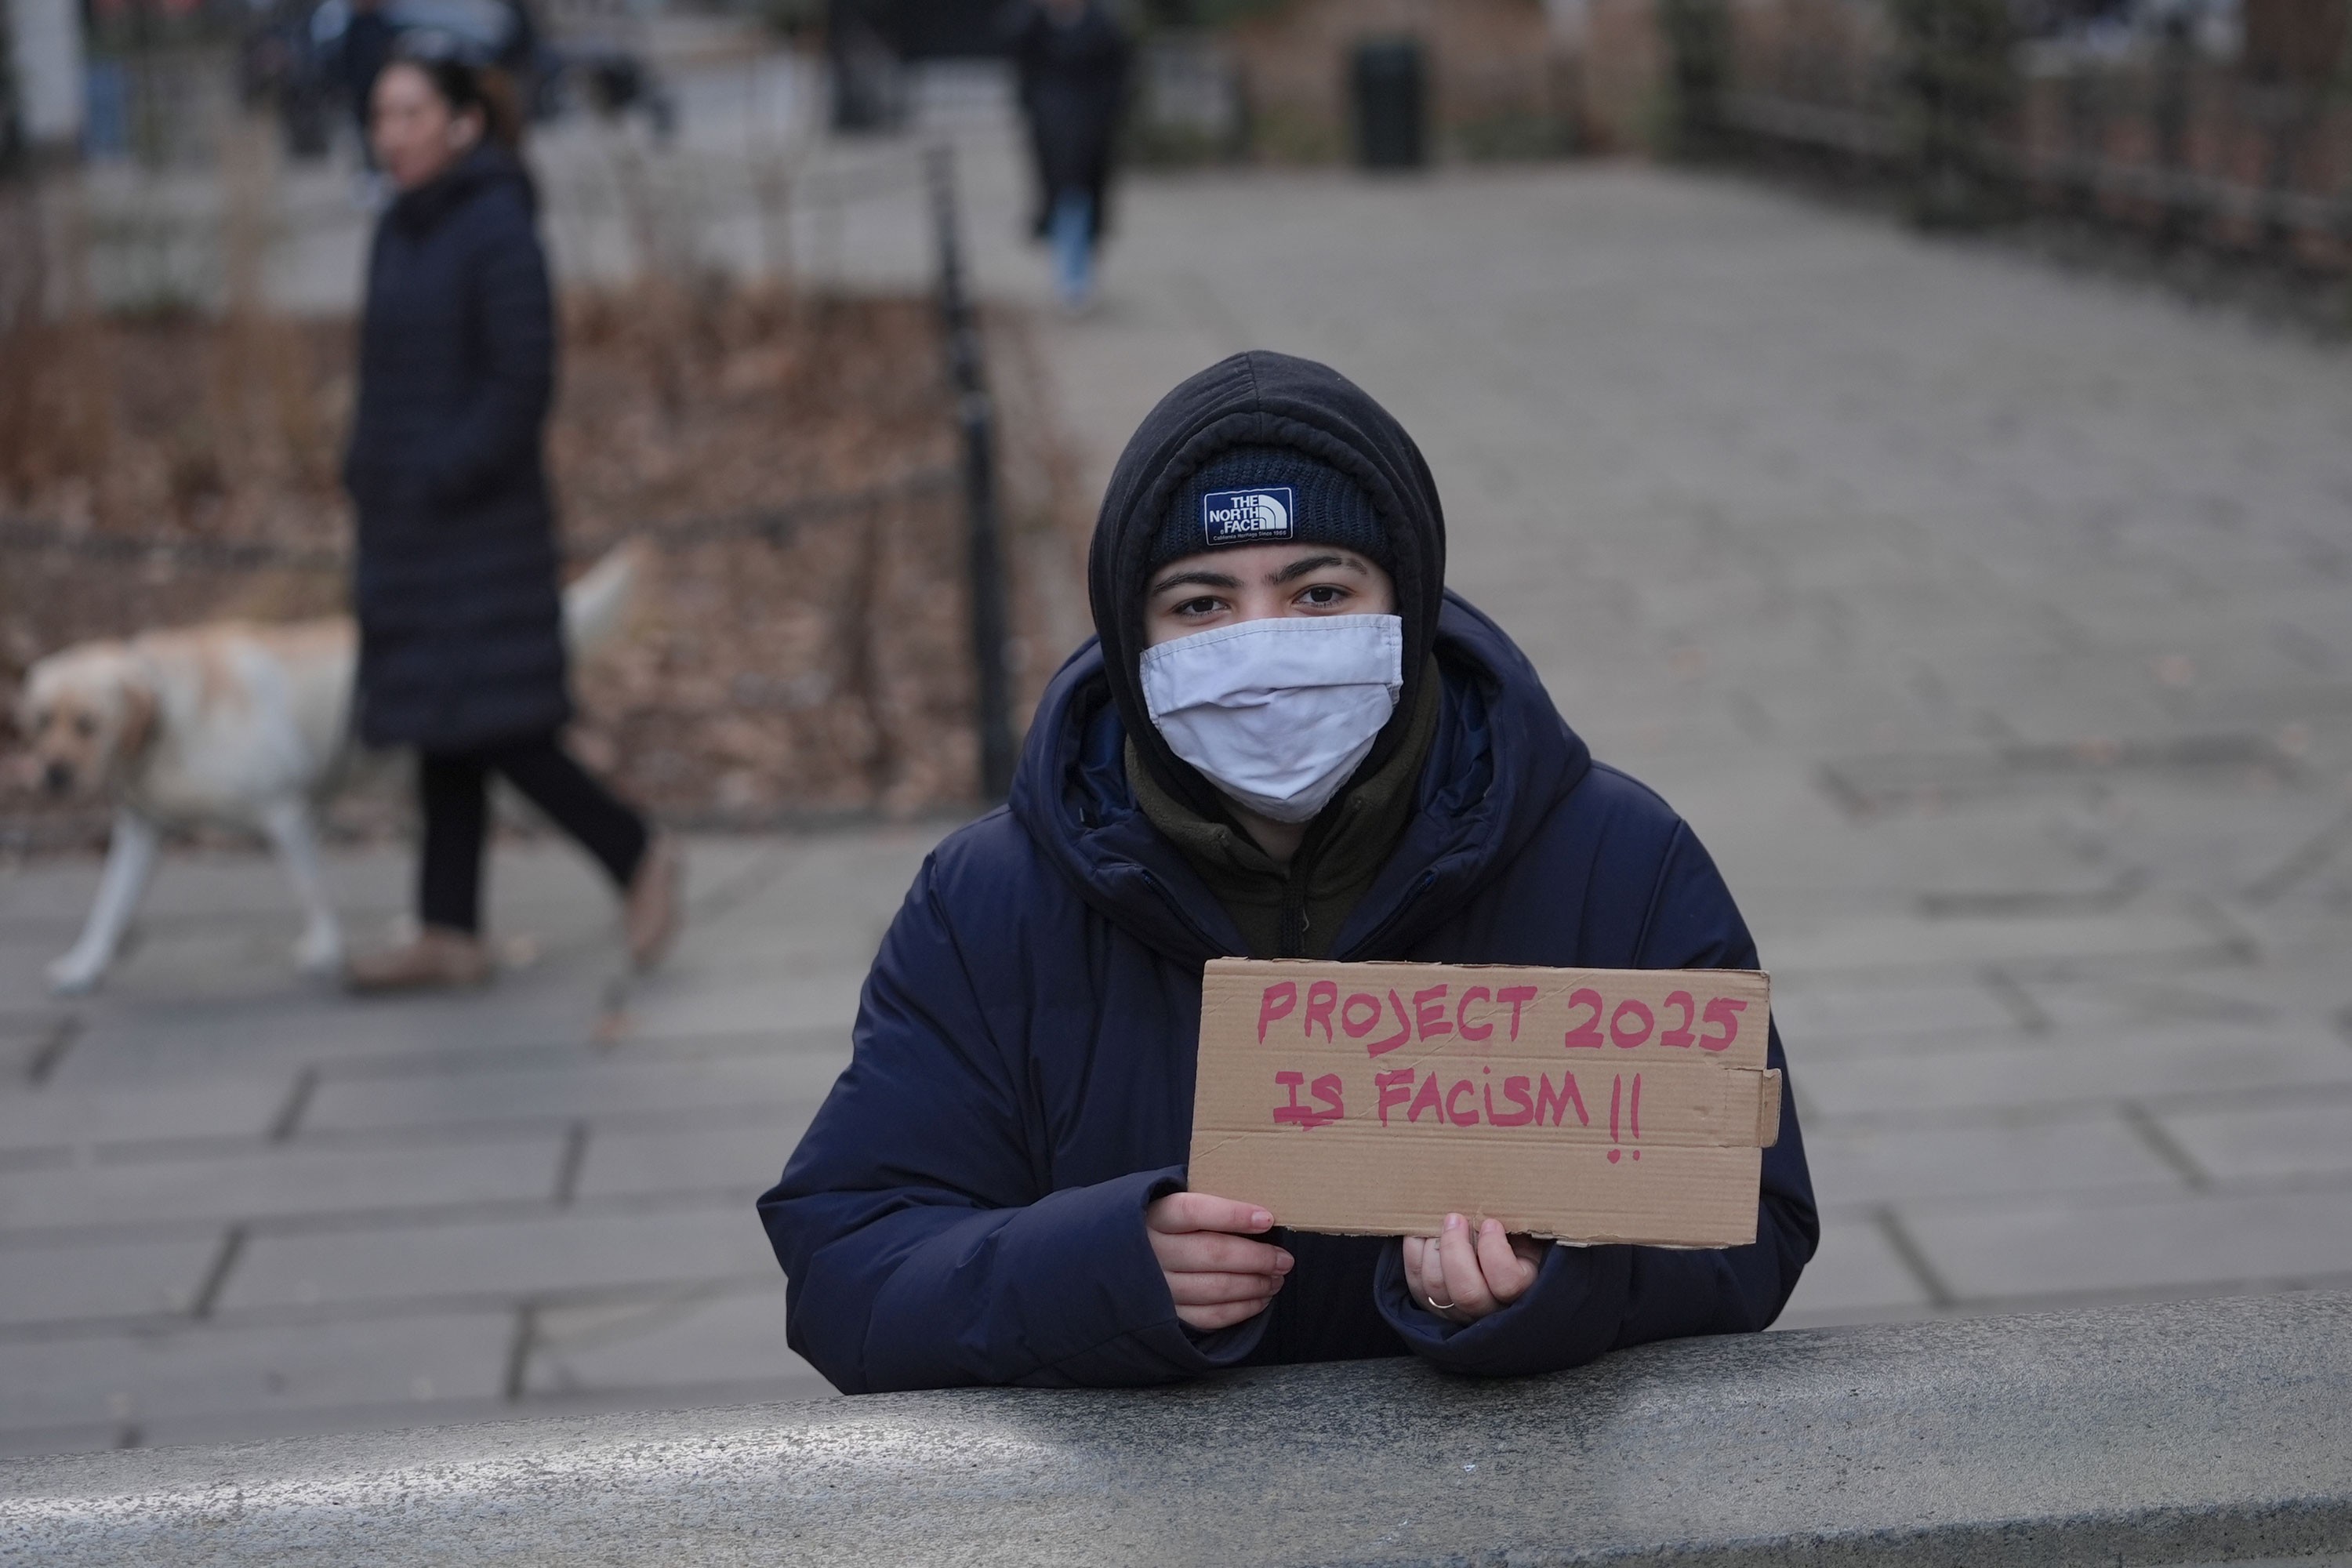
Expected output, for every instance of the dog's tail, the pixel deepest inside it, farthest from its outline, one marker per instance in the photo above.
(595, 605)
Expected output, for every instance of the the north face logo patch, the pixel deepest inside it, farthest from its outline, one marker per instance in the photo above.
(1246, 517)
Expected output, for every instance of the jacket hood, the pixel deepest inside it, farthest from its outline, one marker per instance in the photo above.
(1259, 399)
(486, 167)
(1502, 759)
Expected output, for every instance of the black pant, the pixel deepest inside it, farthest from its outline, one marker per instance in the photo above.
(451, 788)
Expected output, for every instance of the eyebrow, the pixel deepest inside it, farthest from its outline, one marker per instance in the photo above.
(1195, 580)
(1300, 568)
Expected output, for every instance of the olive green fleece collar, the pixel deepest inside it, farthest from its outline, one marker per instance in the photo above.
(1343, 851)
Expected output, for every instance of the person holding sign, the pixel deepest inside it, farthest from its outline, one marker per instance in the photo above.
(1287, 740)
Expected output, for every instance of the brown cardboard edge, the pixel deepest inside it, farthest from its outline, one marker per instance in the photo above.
(1680, 1244)
(1768, 1108)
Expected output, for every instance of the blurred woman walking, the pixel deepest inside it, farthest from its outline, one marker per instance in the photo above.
(461, 643)
(1071, 60)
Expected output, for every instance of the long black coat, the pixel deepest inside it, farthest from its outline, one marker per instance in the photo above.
(461, 640)
(1072, 86)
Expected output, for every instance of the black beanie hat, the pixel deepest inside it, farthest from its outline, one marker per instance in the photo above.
(1356, 477)
(1268, 495)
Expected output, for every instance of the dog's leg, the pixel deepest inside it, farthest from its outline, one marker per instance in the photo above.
(130, 862)
(321, 948)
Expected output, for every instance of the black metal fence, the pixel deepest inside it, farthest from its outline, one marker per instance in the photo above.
(2186, 124)
(32, 543)
(976, 422)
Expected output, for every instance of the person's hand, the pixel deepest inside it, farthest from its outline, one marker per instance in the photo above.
(1217, 1274)
(1463, 1281)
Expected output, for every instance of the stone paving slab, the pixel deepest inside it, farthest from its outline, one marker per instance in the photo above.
(1865, 940)
(582, 1250)
(2281, 1142)
(128, 1044)
(1860, 1275)
(2097, 1150)
(198, 1370)
(565, 1092)
(786, 1002)
(698, 1157)
(2071, 1248)
(68, 1118)
(71, 1280)
(284, 1180)
(1876, 1017)
(701, 1338)
(2086, 1072)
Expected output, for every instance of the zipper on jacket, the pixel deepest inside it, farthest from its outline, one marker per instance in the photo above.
(1176, 906)
(1373, 938)
(1290, 924)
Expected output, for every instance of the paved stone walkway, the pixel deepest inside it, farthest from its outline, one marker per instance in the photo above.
(233, 1203)
(1990, 624)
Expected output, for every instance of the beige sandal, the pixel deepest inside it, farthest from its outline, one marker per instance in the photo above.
(437, 958)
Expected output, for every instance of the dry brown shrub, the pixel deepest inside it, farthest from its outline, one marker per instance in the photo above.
(769, 670)
(54, 413)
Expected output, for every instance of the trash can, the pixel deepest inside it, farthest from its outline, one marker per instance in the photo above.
(1390, 133)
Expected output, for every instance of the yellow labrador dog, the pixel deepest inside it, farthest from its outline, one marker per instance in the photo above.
(231, 722)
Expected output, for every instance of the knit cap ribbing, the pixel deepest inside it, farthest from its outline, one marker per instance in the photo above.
(1327, 506)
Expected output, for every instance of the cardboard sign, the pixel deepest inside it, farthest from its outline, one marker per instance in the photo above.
(1593, 1105)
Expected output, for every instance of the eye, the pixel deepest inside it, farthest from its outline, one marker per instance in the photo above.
(1324, 595)
(1203, 606)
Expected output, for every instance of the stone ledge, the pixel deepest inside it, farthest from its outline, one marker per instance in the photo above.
(2204, 1431)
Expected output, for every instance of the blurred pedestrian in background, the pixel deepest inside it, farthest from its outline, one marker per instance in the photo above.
(1071, 58)
(461, 645)
(365, 45)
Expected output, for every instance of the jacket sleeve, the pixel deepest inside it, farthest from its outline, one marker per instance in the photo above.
(1587, 1300)
(914, 1223)
(512, 324)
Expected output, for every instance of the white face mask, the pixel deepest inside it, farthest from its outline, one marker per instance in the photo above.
(1277, 712)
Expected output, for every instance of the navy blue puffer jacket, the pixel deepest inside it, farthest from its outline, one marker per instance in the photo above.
(968, 1206)
(461, 640)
